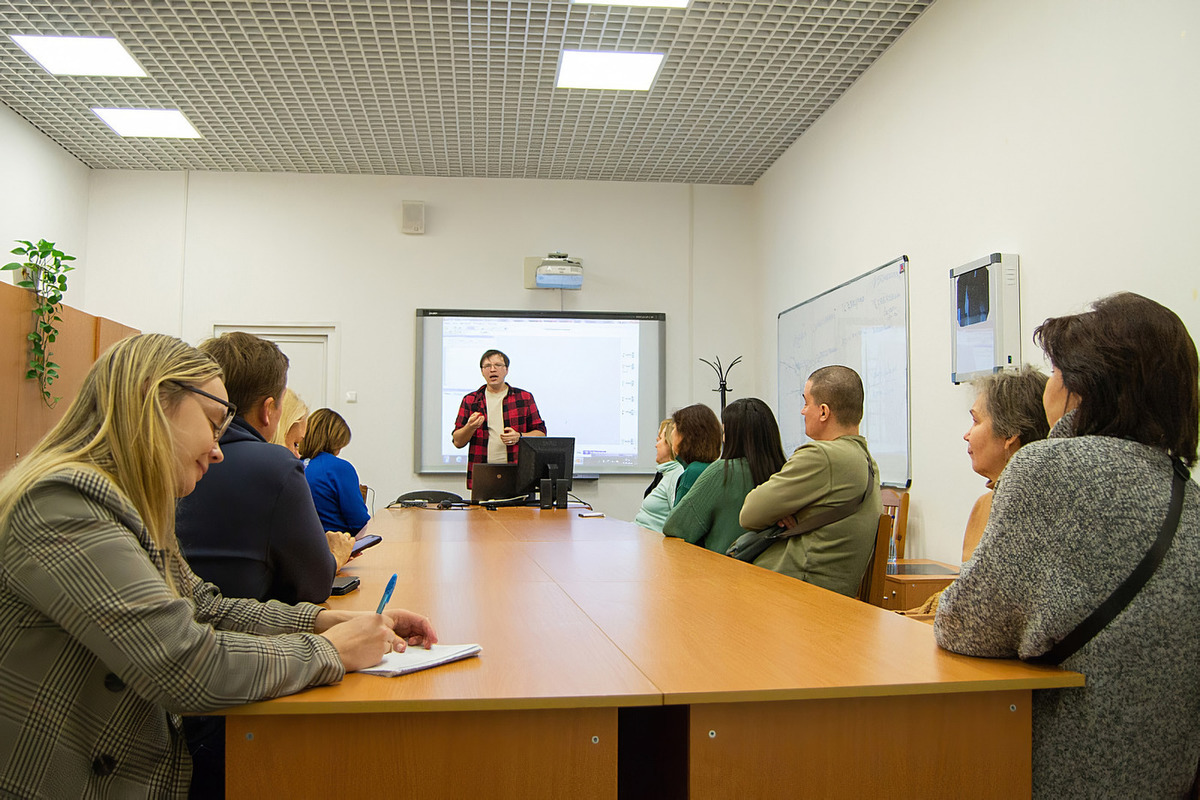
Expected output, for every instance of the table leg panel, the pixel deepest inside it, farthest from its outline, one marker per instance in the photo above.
(550, 753)
(919, 746)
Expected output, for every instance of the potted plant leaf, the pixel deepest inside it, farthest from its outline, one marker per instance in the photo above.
(44, 273)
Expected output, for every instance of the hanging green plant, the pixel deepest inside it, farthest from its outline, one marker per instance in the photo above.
(45, 274)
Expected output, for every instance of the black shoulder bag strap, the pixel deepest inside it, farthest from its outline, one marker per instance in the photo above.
(1124, 594)
(832, 515)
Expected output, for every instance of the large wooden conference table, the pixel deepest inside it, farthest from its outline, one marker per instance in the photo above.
(613, 656)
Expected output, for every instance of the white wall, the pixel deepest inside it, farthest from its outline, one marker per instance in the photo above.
(1063, 131)
(45, 196)
(177, 253)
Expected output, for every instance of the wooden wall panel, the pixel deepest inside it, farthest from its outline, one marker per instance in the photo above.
(109, 333)
(73, 353)
(16, 314)
(82, 337)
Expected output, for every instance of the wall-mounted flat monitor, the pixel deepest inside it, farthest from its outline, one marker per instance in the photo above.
(985, 317)
(597, 377)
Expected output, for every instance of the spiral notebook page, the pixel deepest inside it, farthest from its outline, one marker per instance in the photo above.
(417, 658)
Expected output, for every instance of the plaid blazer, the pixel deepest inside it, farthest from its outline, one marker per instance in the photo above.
(98, 656)
(520, 413)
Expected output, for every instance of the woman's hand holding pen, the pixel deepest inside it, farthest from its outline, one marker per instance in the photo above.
(363, 641)
(363, 638)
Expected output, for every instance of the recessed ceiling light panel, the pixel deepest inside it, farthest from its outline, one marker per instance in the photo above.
(81, 55)
(582, 69)
(163, 123)
(636, 3)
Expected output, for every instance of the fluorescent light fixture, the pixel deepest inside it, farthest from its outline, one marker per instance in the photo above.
(637, 3)
(81, 55)
(582, 69)
(164, 123)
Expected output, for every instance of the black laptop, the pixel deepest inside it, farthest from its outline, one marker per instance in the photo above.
(493, 482)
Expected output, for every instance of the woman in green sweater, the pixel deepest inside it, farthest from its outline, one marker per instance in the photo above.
(708, 514)
(697, 443)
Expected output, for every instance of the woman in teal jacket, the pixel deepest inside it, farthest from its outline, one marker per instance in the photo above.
(708, 514)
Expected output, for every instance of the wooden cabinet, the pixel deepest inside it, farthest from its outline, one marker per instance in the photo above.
(905, 590)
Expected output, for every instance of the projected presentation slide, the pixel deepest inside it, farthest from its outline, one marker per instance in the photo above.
(596, 377)
(597, 404)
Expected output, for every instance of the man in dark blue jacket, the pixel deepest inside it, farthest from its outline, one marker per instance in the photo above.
(250, 526)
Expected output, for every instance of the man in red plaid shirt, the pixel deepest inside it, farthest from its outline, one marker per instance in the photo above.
(512, 412)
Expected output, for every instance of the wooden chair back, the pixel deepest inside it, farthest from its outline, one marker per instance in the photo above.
(871, 588)
(895, 505)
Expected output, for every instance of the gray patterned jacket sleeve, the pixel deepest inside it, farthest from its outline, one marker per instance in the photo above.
(104, 650)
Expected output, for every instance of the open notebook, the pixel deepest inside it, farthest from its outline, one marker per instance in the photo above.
(417, 658)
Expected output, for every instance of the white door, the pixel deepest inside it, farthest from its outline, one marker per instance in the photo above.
(312, 357)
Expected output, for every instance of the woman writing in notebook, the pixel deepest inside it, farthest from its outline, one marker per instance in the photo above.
(1072, 519)
(108, 632)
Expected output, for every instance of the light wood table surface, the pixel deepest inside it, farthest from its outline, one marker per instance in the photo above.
(714, 678)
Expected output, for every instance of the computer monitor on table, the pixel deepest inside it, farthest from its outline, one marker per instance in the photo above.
(545, 467)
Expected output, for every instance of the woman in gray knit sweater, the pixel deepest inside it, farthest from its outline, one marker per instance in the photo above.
(1070, 520)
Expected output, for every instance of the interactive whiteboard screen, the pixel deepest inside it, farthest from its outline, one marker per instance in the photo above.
(598, 377)
(861, 324)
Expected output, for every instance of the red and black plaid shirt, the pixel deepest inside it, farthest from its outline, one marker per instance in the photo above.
(520, 414)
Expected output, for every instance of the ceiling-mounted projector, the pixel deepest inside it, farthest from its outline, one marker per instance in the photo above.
(554, 271)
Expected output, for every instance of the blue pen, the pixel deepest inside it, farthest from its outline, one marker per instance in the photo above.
(387, 594)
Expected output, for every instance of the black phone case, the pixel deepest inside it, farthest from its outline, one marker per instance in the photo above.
(344, 585)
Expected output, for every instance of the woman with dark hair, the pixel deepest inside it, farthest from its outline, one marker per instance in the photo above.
(753, 452)
(1071, 520)
(333, 481)
(697, 443)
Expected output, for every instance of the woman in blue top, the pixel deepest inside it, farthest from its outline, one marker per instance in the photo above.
(333, 482)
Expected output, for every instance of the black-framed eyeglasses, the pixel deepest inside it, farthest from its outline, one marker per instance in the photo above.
(230, 411)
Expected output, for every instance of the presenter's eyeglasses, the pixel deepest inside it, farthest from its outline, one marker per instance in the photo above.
(230, 410)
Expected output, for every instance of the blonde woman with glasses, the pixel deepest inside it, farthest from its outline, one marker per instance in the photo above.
(106, 635)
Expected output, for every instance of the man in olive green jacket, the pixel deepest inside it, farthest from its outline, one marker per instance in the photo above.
(829, 471)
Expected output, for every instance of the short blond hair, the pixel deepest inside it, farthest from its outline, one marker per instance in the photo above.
(665, 429)
(291, 410)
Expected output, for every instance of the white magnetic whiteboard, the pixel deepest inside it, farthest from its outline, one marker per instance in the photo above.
(861, 324)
